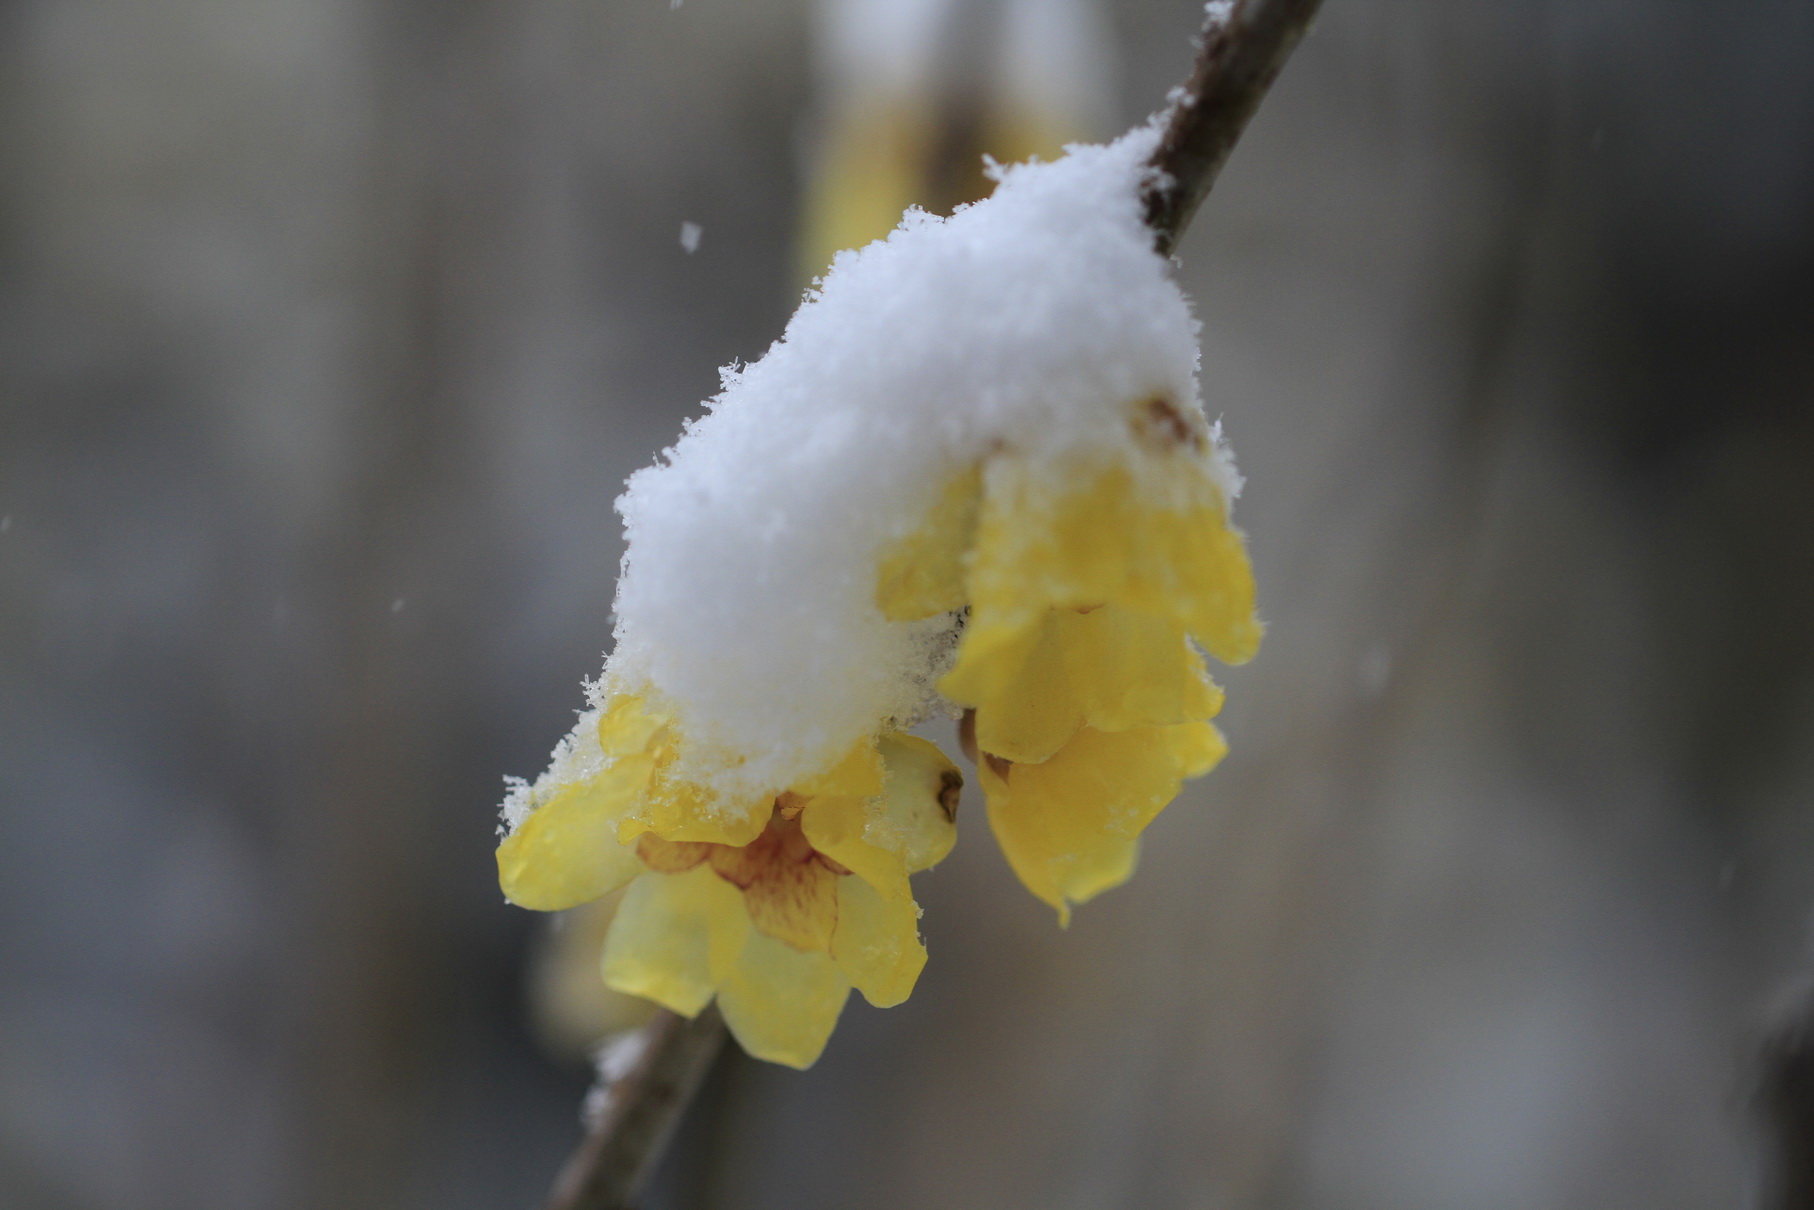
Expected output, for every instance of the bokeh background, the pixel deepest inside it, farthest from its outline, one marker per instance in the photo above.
(329, 330)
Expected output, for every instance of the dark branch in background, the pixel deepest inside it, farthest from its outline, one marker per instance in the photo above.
(1785, 1099)
(1238, 57)
(640, 1108)
(1243, 46)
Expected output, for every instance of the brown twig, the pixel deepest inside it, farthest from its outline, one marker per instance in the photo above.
(640, 1107)
(1238, 57)
(1784, 1096)
(1239, 54)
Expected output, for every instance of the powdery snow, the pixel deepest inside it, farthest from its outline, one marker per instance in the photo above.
(747, 596)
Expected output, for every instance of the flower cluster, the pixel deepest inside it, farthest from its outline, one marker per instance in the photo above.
(972, 479)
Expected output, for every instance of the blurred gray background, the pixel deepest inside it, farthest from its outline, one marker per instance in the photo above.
(330, 328)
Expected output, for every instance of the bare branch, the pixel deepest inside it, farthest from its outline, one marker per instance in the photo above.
(1243, 45)
(640, 1108)
(1784, 1096)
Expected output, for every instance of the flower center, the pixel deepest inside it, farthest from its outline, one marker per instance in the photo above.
(790, 889)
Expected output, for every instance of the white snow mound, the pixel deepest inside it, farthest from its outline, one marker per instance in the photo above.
(747, 597)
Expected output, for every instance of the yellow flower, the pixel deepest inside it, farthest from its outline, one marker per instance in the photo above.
(1089, 586)
(777, 907)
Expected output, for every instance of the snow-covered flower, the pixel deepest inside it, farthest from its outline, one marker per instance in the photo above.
(1085, 581)
(973, 478)
(779, 913)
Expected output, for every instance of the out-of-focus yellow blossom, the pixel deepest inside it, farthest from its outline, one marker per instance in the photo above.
(777, 907)
(571, 1009)
(1089, 587)
(883, 156)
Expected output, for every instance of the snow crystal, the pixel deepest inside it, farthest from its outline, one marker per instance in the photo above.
(689, 237)
(1218, 12)
(614, 1059)
(577, 758)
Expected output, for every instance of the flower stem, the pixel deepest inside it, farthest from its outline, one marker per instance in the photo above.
(1243, 45)
(640, 1107)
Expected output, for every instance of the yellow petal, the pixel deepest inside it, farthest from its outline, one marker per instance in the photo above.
(670, 856)
(1133, 669)
(1069, 826)
(918, 816)
(780, 1003)
(836, 827)
(1110, 668)
(1199, 568)
(1196, 750)
(627, 726)
(1027, 704)
(877, 944)
(661, 944)
(922, 574)
(567, 853)
(1151, 534)
(909, 828)
(858, 774)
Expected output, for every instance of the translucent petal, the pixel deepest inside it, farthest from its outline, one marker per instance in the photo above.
(627, 726)
(670, 856)
(877, 944)
(567, 853)
(918, 810)
(662, 942)
(780, 1003)
(836, 827)
(1070, 825)
(922, 575)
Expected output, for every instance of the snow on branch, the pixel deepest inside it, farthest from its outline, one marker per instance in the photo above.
(1243, 45)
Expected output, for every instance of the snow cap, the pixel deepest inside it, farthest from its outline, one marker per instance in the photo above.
(746, 605)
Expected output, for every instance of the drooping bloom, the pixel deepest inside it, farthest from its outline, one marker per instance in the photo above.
(1085, 584)
(973, 478)
(778, 912)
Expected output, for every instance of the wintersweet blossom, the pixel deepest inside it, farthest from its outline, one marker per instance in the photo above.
(974, 479)
(779, 913)
(1084, 585)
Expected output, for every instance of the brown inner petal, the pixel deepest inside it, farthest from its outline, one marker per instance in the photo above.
(790, 889)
